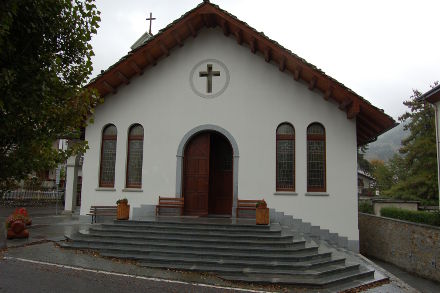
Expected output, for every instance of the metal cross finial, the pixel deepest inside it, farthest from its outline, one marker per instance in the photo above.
(209, 74)
(151, 18)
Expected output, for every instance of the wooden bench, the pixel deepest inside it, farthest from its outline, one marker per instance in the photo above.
(247, 205)
(96, 211)
(170, 202)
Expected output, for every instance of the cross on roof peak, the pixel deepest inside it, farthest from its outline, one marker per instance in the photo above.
(151, 18)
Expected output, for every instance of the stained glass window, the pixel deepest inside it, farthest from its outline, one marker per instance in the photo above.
(108, 156)
(134, 156)
(316, 167)
(285, 156)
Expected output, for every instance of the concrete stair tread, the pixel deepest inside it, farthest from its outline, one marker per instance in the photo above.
(250, 225)
(215, 245)
(217, 261)
(230, 228)
(192, 233)
(300, 254)
(276, 241)
(329, 268)
(154, 228)
(303, 280)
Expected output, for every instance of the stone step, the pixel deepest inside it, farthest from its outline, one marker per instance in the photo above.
(233, 249)
(193, 234)
(306, 281)
(192, 224)
(164, 261)
(85, 239)
(187, 228)
(320, 269)
(308, 253)
(278, 242)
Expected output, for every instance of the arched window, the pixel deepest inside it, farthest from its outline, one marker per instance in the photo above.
(134, 156)
(316, 167)
(108, 156)
(285, 157)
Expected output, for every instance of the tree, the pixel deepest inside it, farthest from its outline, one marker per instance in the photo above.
(383, 175)
(44, 66)
(415, 170)
(363, 163)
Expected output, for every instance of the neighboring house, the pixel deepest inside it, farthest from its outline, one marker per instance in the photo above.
(45, 179)
(433, 96)
(211, 110)
(366, 184)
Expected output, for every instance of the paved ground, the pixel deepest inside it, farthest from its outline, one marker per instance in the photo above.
(50, 278)
(421, 284)
(39, 259)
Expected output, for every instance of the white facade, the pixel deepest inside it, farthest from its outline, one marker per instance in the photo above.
(257, 99)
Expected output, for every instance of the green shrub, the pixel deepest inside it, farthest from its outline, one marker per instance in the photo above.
(366, 207)
(428, 218)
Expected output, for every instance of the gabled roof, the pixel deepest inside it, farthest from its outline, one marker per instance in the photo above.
(370, 121)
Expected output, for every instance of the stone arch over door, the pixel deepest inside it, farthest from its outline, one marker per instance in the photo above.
(235, 156)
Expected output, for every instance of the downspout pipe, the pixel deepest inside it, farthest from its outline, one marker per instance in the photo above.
(437, 139)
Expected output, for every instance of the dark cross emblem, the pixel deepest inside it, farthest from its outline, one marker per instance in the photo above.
(209, 74)
(150, 19)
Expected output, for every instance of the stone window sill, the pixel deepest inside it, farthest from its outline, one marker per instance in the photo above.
(105, 189)
(317, 194)
(285, 193)
(132, 190)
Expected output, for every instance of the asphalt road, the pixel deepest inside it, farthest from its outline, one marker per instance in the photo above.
(18, 276)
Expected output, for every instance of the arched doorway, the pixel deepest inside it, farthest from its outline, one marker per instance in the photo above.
(208, 175)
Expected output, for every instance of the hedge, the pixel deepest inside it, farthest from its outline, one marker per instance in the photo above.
(428, 218)
(366, 207)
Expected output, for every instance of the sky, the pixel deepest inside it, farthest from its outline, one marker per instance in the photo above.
(380, 49)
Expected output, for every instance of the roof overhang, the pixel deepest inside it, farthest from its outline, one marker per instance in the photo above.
(370, 121)
(433, 95)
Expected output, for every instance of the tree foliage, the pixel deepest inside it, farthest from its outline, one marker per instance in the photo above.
(383, 175)
(44, 66)
(415, 170)
(412, 173)
(363, 163)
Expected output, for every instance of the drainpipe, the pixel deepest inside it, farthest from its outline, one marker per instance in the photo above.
(437, 138)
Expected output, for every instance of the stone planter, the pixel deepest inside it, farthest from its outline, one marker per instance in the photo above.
(262, 216)
(123, 211)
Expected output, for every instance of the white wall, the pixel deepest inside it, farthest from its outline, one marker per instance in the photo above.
(258, 98)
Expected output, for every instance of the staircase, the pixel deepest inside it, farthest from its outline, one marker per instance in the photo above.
(234, 250)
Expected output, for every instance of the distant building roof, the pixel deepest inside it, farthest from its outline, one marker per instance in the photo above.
(432, 95)
(365, 174)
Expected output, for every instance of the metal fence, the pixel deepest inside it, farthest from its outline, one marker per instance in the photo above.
(33, 195)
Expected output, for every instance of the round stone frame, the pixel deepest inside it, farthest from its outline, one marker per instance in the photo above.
(220, 91)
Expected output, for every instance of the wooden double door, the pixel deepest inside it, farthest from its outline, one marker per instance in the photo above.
(208, 175)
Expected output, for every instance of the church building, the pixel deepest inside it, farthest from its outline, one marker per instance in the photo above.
(213, 111)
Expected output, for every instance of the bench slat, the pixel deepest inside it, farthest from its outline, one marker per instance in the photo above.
(102, 211)
(247, 204)
(170, 202)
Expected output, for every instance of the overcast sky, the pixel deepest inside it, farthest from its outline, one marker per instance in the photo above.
(380, 49)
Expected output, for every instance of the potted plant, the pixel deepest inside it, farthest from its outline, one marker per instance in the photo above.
(16, 226)
(262, 213)
(123, 209)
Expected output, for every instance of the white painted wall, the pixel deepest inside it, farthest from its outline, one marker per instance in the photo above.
(258, 99)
